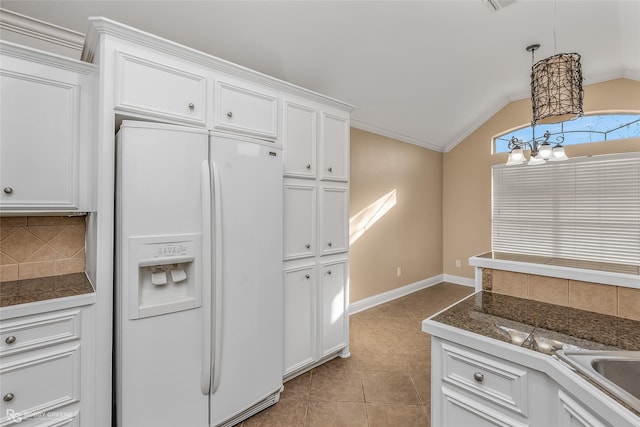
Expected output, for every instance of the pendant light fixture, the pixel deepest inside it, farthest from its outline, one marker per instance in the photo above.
(556, 96)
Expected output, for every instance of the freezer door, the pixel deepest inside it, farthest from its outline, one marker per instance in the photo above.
(161, 269)
(248, 348)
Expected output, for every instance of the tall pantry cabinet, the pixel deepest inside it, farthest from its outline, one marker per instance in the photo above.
(316, 206)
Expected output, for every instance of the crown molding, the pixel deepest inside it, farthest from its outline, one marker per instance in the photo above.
(31, 27)
(359, 124)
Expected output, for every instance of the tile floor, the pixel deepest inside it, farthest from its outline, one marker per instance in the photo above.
(385, 382)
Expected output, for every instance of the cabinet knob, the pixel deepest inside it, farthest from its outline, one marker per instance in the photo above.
(307, 276)
(307, 246)
(7, 190)
(330, 169)
(10, 340)
(330, 244)
(478, 377)
(191, 106)
(308, 166)
(8, 397)
(230, 114)
(329, 272)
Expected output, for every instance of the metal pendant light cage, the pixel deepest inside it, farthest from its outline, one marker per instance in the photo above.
(556, 88)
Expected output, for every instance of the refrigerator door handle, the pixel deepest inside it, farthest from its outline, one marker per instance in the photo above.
(217, 282)
(205, 197)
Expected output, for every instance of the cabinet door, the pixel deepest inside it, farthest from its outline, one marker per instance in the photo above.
(299, 318)
(153, 87)
(573, 414)
(299, 140)
(41, 107)
(299, 221)
(333, 304)
(245, 110)
(334, 146)
(334, 220)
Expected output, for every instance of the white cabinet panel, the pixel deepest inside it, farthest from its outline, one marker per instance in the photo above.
(156, 88)
(299, 318)
(39, 331)
(460, 410)
(334, 223)
(299, 139)
(334, 146)
(44, 130)
(333, 302)
(573, 414)
(245, 110)
(299, 221)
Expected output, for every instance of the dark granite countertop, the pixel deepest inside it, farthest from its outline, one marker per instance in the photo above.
(43, 289)
(539, 326)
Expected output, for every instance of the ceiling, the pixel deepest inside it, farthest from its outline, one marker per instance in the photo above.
(424, 72)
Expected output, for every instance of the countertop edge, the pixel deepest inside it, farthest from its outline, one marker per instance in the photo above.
(38, 307)
(563, 272)
(557, 370)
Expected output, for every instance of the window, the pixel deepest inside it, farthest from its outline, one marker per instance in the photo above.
(586, 129)
(585, 208)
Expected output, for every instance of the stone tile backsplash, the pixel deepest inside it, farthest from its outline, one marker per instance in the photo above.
(41, 246)
(605, 299)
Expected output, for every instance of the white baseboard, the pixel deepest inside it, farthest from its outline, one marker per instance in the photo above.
(378, 299)
(459, 280)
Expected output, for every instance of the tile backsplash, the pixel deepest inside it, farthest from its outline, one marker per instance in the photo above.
(606, 299)
(41, 246)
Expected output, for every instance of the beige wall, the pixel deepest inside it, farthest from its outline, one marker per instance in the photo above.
(467, 170)
(409, 234)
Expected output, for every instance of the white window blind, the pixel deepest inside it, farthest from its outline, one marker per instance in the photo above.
(585, 208)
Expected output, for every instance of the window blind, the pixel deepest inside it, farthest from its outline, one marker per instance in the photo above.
(585, 208)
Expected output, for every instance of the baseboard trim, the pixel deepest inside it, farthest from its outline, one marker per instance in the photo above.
(384, 297)
(459, 280)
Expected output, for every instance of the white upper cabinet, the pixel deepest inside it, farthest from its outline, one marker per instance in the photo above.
(244, 109)
(45, 113)
(334, 147)
(299, 139)
(158, 87)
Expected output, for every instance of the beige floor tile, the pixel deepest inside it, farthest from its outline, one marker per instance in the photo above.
(297, 388)
(336, 386)
(381, 415)
(336, 414)
(286, 413)
(389, 387)
(377, 361)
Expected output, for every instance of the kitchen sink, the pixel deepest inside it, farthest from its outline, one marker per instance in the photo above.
(615, 371)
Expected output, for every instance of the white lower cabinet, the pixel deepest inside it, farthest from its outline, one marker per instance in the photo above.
(41, 369)
(315, 317)
(473, 388)
(573, 414)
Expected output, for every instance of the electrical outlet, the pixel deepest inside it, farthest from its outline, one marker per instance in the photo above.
(398, 272)
(458, 264)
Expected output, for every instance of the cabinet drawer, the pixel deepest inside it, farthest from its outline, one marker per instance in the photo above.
(244, 110)
(158, 89)
(39, 331)
(490, 378)
(42, 383)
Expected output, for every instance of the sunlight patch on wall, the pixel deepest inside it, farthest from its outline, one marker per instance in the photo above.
(363, 220)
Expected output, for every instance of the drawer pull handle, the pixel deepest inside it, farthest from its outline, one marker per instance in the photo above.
(307, 276)
(330, 244)
(230, 114)
(329, 272)
(191, 106)
(307, 246)
(8, 397)
(478, 377)
(10, 340)
(308, 166)
(7, 190)
(330, 169)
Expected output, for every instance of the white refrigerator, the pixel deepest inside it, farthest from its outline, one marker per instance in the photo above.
(198, 297)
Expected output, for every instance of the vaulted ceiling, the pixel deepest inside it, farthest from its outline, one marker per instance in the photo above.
(425, 72)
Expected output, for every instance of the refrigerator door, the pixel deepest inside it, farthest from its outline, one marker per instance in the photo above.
(248, 350)
(163, 266)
